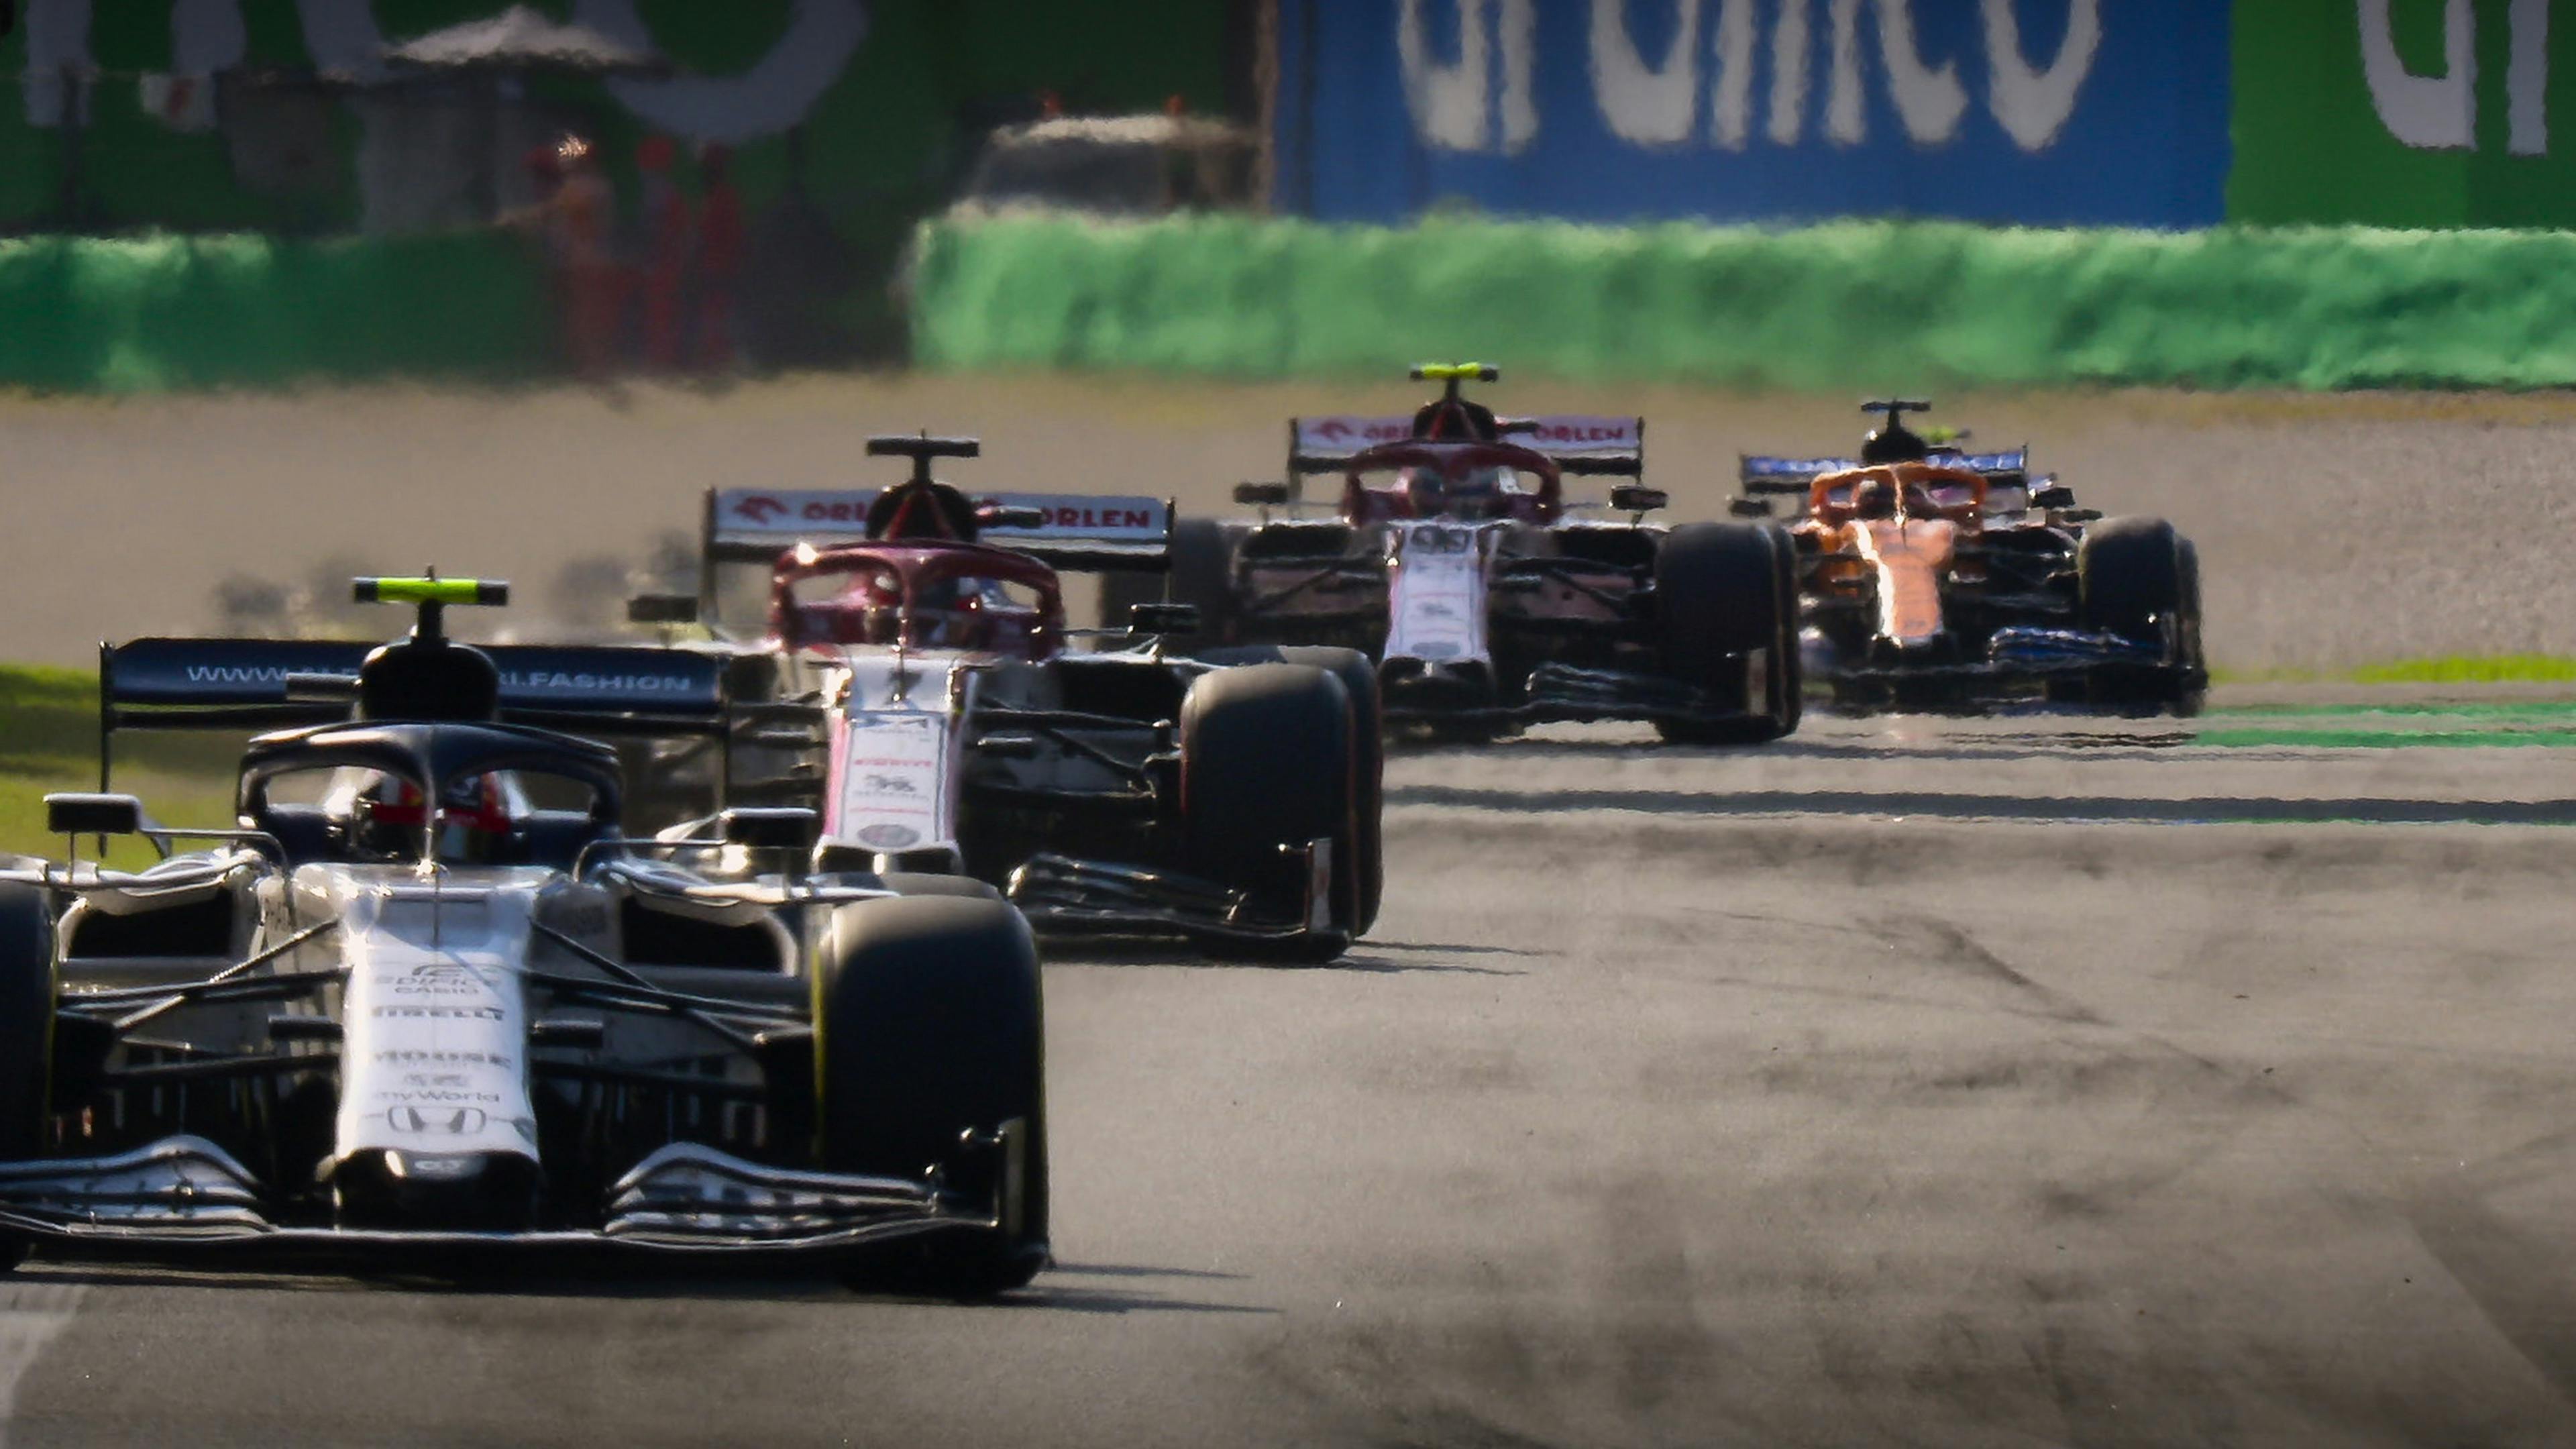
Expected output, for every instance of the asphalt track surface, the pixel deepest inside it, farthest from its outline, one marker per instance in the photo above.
(1912, 1081)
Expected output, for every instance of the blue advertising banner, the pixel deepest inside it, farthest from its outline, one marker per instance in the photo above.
(2039, 112)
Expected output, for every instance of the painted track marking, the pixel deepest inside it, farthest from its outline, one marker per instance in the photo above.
(31, 1316)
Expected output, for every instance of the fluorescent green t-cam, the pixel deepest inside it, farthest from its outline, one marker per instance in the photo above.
(432, 591)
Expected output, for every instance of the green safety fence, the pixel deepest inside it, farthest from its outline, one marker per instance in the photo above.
(1858, 305)
(85, 314)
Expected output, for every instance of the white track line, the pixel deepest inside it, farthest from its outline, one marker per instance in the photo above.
(31, 1314)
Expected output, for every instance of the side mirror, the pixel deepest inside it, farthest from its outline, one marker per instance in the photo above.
(2055, 495)
(773, 827)
(662, 609)
(1638, 498)
(1262, 495)
(82, 814)
(1749, 507)
(1163, 619)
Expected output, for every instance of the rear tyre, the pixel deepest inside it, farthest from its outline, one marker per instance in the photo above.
(930, 1023)
(2133, 580)
(1719, 597)
(27, 991)
(1201, 575)
(1266, 766)
(1367, 859)
(1121, 591)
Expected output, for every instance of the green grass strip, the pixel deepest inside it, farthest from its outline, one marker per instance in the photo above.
(151, 313)
(2370, 739)
(2451, 669)
(48, 717)
(2495, 711)
(49, 741)
(2468, 669)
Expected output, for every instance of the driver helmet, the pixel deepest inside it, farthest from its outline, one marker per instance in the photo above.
(472, 825)
(474, 821)
(1876, 498)
(1895, 443)
(1473, 494)
(923, 508)
(867, 610)
(1456, 420)
(947, 614)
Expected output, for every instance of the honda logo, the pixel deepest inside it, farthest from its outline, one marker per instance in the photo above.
(437, 1121)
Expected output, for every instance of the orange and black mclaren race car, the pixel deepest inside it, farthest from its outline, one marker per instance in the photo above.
(1452, 557)
(1935, 578)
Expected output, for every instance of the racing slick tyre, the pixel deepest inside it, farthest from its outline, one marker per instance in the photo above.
(26, 1032)
(2195, 684)
(1267, 765)
(1368, 755)
(929, 1023)
(1718, 597)
(1789, 665)
(2133, 580)
(1201, 575)
(1121, 591)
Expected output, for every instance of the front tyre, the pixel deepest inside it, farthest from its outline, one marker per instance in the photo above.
(1724, 591)
(2137, 578)
(27, 1001)
(1367, 860)
(1267, 766)
(1788, 684)
(929, 1023)
(2195, 664)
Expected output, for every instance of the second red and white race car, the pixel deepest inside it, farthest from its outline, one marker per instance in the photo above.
(1488, 599)
(910, 677)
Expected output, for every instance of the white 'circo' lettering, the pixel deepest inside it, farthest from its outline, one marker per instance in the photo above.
(1657, 104)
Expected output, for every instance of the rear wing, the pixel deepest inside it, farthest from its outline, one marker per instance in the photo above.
(1761, 475)
(603, 690)
(1078, 531)
(1579, 444)
(1327, 445)
(2007, 475)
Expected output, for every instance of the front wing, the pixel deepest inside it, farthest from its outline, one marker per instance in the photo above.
(1064, 896)
(184, 1194)
(2016, 656)
(1559, 693)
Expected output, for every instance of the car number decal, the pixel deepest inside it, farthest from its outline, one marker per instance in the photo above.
(1436, 593)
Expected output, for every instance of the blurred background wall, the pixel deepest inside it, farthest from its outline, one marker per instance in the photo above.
(2162, 113)
(847, 119)
(200, 190)
(2049, 112)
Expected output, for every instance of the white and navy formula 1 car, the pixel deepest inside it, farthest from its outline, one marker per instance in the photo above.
(422, 1000)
